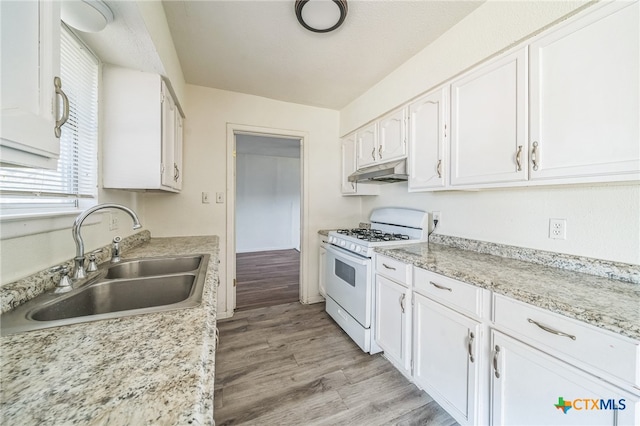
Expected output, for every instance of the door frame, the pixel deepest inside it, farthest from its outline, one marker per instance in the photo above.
(234, 129)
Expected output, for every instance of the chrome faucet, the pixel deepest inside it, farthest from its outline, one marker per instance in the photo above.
(79, 271)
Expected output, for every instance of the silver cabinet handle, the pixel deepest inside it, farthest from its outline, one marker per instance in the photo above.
(353, 185)
(373, 153)
(551, 330)
(176, 172)
(441, 287)
(402, 301)
(470, 346)
(534, 156)
(495, 362)
(439, 168)
(518, 155)
(380, 152)
(217, 338)
(388, 267)
(65, 107)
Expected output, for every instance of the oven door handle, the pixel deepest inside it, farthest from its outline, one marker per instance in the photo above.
(347, 255)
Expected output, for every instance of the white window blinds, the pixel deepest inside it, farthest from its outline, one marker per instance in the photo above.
(24, 190)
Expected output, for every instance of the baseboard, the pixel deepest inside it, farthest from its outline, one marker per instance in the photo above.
(312, 300)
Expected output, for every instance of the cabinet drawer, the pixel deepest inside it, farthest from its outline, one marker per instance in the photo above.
(393, 269)
(560, 336)
(453, 293)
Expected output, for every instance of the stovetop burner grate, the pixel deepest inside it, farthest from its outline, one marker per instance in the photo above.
(372, 235)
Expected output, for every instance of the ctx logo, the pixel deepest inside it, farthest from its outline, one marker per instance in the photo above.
(590, 404)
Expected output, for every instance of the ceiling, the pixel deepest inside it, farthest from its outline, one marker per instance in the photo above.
(258, 47)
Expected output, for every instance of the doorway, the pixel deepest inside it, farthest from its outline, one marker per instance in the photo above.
(267, 220)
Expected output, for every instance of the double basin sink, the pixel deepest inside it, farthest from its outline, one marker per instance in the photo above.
(132, 287)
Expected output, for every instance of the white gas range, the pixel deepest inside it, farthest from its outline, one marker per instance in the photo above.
(349, 268)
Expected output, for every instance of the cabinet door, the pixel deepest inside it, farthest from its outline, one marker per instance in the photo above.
(528, 386)
(392, 331)
(446, 357)
(585, 81)
(177, 153)
(392, 139)
(367, 141)
(488, 123)
(348, 147)
(30, 46)
(169, 166)
(428, 120)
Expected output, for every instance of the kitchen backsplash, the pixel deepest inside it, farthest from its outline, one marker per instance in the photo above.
(603, 268)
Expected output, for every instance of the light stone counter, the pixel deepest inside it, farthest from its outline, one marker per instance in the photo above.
(141, 370)
(603, 302)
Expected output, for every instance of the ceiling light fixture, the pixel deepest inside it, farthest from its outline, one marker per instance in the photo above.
(89, 16)
(321, 16)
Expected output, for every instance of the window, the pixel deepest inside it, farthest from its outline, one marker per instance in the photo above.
(73, 185)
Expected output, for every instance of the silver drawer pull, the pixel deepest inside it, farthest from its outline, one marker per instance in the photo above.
(551, 330)
(495, 362)
(441, 287)
(470, 346)
(402, 297)
(388, 267)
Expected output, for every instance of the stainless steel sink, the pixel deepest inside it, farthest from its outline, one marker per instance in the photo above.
(137, 286)
(149, 267)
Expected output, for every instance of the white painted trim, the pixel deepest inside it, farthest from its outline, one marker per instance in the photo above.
(305, 243)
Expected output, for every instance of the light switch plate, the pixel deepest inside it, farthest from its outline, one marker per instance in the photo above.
(205, 198)
(219, 197)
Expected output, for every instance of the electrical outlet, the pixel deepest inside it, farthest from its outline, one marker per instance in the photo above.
(435, 216)
(113, 222)
(219, 197)
(205, 198)
(558, 229)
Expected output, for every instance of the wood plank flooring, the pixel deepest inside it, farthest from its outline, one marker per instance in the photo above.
(267, 278)
(292, 365)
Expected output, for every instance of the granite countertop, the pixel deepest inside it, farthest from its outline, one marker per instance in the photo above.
(146, 369)
(603, 302)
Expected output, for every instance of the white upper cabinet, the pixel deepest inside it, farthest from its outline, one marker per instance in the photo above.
(142, 132)
(348, 166)
(428, 138)
(392, 139)
(488, 122)
(348, 149)
(30, 37)
(383, 141)
(367, 145)
(584, 94)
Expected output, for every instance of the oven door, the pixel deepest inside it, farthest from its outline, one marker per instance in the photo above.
(348, 283)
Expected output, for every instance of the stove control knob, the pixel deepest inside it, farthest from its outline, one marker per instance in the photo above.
(358, 249)
(331, 239)
(343, 243)
(352, 247)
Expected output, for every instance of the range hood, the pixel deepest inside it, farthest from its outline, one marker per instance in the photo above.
(393, 171)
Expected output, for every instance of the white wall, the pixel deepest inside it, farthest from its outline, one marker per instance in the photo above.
(23, 256)
(267, 203)
(602, 221)
(205, 169)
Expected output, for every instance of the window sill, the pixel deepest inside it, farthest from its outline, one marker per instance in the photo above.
(21, 225)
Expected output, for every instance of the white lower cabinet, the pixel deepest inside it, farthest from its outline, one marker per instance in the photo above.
(529, 387)
(445, 354)
(393, 326)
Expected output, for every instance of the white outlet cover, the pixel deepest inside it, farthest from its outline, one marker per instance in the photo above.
(558, 229)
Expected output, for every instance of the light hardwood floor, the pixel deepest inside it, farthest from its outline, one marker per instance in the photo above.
(267, 278)
(292, 365)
